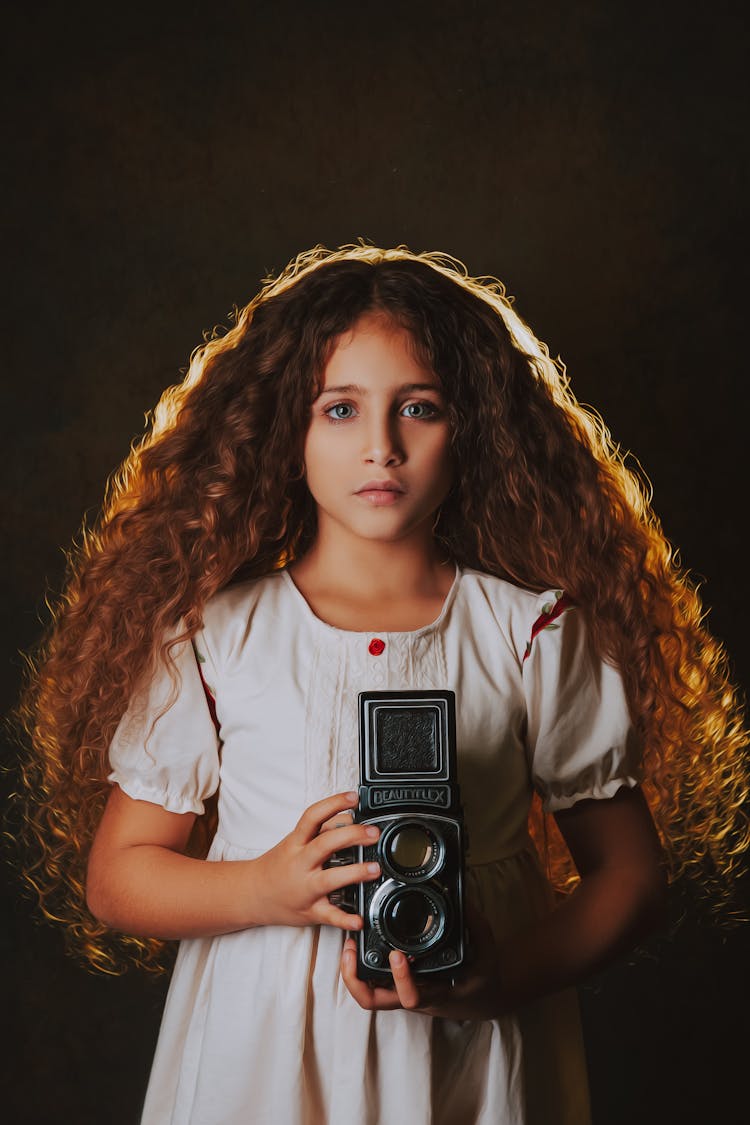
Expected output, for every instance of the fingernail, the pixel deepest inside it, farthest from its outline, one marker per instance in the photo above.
(372, 831)
(352, 796)
(397, 958)
(373, 868)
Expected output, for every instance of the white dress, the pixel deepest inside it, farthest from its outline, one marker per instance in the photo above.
(259, 1028)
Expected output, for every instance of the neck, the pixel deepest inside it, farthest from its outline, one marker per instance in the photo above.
(364, 570)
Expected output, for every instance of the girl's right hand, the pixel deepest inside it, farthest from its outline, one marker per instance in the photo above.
(292, 883)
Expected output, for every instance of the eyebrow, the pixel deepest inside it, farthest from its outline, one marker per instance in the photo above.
(354, 388)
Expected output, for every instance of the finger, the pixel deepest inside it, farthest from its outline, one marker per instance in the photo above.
(329, 915)
(332, 878)
(434, 999)
(372, 999)
(406, 987)
(309, 823)
(342, 819)
(338, 839)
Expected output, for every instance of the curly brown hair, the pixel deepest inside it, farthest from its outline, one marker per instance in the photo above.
(215, 490)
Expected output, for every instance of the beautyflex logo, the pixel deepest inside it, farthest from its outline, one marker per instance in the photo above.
(411, 794)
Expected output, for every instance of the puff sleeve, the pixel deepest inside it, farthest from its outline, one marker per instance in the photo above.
(166, 748)
(580, 738)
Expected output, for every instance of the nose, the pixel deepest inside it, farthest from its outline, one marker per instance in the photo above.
(382, 445)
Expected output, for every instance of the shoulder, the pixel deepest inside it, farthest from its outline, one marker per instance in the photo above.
(239, 598)
(229, 615)
(518, 612)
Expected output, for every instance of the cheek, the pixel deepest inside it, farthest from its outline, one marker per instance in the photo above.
(319, 454)
(441, 458)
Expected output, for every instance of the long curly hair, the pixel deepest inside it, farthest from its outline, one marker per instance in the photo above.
(215, 490)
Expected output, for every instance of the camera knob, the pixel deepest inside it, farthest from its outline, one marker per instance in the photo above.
(340, 859)
(345, 898)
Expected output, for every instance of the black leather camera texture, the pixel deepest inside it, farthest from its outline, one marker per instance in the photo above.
(407, 742)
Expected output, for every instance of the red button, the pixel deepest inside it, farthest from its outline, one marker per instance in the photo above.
(376, 646)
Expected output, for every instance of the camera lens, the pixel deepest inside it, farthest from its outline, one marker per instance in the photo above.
(411, 917)
(411, 848)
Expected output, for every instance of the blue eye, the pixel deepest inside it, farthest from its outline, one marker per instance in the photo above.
(339, 412)
(420, 410)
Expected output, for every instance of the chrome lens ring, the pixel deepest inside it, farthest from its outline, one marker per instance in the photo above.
(407, 917)
(411, 850)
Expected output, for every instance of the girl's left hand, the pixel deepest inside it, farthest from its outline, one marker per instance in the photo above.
(476, 995)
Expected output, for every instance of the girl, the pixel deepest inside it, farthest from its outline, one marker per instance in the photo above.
(376, 479)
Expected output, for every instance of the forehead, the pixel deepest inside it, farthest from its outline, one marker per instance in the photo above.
(376, 353)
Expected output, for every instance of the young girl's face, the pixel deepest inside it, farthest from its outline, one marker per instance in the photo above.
(377, 452)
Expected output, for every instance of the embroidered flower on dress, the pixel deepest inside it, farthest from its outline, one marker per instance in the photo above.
(550, 612)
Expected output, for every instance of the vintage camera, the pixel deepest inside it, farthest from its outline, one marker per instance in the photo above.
(408, 788)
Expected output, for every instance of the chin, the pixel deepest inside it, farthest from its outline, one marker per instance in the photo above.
(389, 533)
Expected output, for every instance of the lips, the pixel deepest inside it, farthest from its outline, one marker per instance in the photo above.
(380, 486)
(380, 493)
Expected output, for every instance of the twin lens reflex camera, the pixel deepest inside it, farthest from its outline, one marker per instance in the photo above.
(408, 788)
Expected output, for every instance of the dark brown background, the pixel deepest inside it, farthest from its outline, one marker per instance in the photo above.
(160, 160)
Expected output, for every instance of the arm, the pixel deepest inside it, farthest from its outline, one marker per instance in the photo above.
(140, 882)
(616, 851)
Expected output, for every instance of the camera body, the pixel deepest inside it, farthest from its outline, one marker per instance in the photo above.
(409, 789)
